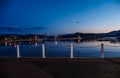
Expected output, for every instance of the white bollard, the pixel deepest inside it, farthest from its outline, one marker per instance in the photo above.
(18, 51)
(102, 50)
(71, 50)
(43, 51)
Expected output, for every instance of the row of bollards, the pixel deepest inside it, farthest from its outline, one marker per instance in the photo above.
(102, 50)
(43, 51)
(71, 51)
(18, 51)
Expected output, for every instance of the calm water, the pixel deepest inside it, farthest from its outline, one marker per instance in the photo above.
(62, 49)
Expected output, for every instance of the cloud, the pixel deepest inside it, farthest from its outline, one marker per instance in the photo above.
(11, 29)
(77, 22)
(20, 29)
(38, 28)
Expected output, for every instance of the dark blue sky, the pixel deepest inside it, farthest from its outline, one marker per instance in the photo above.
(59, 16)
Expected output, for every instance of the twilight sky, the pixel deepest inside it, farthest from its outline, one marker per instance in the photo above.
(59, 16)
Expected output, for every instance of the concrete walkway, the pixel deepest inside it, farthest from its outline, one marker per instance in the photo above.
(59, 68)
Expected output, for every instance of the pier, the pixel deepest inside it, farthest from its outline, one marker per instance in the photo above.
(59, 68)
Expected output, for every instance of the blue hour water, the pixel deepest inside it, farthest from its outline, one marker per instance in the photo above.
(87, 49)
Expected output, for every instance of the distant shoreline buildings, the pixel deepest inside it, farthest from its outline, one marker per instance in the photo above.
(75, 36)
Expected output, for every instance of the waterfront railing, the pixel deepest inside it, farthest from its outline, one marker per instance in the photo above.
(72, 49)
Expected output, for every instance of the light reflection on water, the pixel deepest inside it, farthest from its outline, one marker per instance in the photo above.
(61, 49)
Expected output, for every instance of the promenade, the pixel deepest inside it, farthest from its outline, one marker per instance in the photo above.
(59, 68)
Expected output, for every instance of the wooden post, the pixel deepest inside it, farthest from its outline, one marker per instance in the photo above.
(102, 50)
(18, 51)
(71, 50)
(43, 51)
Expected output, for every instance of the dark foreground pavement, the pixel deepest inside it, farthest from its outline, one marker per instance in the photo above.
(59, 68)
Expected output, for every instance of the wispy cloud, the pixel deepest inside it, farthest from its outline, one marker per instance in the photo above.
(11, 29)
(37, 28)
(20, 29)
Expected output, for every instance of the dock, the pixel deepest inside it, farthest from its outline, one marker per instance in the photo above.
(59, 67)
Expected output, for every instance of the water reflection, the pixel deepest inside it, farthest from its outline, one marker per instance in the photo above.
(30, 42)
(63, 48)
(15, 45)
(78, 41)
(56, 42)
(36, 44)
(6, 43)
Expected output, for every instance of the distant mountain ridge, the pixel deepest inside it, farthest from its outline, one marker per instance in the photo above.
(114, 32)
(70, 35)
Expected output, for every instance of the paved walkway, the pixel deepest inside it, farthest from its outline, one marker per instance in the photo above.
(59, 68)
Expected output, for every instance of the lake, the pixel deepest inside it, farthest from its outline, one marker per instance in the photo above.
(84, 49)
